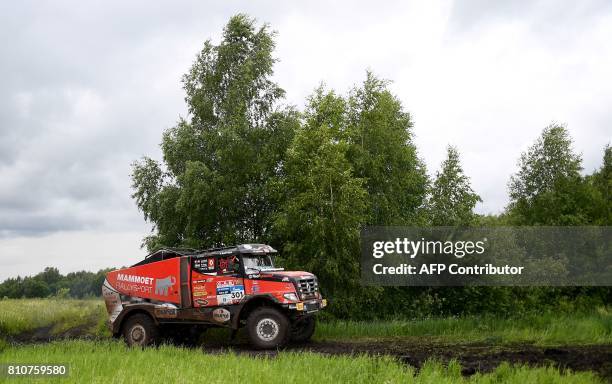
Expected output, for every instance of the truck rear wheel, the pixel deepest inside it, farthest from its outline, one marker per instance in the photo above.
(140, 331)
(303, 329)
(267, 328)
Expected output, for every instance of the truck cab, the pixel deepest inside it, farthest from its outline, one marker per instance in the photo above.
(181, 292)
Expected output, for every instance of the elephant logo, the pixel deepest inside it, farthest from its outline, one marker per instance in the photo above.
(162, 285)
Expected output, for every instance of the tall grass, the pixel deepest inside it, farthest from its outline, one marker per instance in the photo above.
(591, 328)
(112, 362)
(23, 315)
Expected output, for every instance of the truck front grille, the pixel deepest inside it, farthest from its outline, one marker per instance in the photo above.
(308, 287)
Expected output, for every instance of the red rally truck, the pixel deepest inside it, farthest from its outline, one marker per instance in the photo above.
(182, 292)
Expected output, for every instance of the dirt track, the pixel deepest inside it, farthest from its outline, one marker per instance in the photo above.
(474, 357)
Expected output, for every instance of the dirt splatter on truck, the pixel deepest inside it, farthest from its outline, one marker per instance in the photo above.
(182, 292)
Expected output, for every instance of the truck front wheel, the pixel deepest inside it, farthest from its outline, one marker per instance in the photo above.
(140, 331)
(303, 329)
(267, 328)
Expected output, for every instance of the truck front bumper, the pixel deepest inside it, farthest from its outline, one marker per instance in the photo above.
(308, 306)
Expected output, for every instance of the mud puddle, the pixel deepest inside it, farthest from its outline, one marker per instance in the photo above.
(472, 357)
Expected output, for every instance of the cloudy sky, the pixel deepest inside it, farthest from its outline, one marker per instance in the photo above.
(88, 87)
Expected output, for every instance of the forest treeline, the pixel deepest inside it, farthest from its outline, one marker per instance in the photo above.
(244, 166)
(50, 282)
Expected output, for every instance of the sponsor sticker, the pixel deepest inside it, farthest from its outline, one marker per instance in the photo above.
(135, 279)
(199, 290)
(204, 264)
(134, 288)
(229, 294)
(135, 283)
(221, 315)
(166, 310)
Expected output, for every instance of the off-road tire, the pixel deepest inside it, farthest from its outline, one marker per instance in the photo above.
(139, 330)
(303, 329)
(268, 328)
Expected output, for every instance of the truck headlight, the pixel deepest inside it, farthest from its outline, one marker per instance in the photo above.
(290, 296)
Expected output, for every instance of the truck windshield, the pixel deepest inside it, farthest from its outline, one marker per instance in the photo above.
(258, 262)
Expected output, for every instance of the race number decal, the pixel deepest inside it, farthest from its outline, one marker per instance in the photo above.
(229, 293)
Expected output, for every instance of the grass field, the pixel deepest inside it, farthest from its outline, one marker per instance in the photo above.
(19, 316)
(26, 315)
(106, 360)
(111, 362)
(541, 329)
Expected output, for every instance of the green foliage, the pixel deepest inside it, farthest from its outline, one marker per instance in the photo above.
(62, 293)
(381, 151)
(12, 288)
(51, 283)
(547, 161)
(420, 302)
(221, 164)
(351, 164)
(324, 203)
(601, 182)
(35, 288)
(542, 328)
(548, 188)
(451, 202)
(452, 199)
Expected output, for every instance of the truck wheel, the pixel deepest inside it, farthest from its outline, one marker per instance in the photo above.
(140, 331)
(303, 329)
(267, 328)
